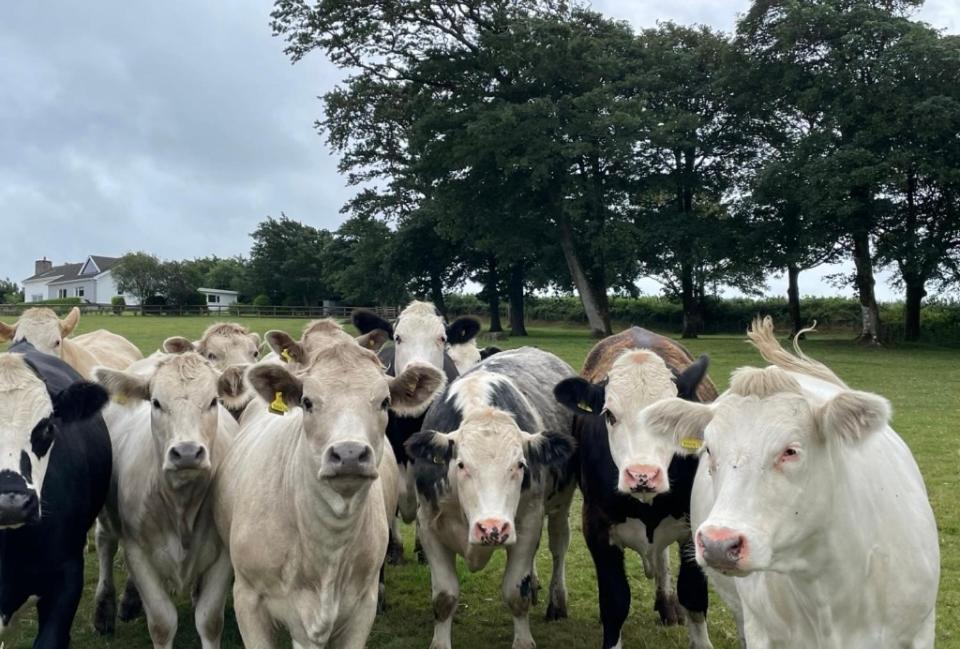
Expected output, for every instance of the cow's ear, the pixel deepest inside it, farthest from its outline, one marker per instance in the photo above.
(230, 386)
(547, 452)
(7, 332)
(373, 340)
(462, 330)
(690, 378)
(178, 345)
(431, 453)
(123, 386)
(366, 321)
(679, 420)
(416, 387)
(286, 347)
(852, 415)
(487, 352)
(81, 400)
(69, 323)
(275, 385)
(580, 396)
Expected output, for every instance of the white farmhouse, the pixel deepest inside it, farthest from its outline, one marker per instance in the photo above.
(91, 281)
(218, 299)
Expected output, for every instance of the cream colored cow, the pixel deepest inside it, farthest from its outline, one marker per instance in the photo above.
(42, 328)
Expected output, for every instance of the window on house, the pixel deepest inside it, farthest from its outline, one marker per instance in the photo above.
(62, 293)
(37, 297)
(213, 299)
(78, 292)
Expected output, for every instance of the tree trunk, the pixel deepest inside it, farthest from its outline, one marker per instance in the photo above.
(793, 297)
(691, 306)
(436, 292)
(598, 328)
(911, 313)
(517, 327)
(493, 296)
(863, 261)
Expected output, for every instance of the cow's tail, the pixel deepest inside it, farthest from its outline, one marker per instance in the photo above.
(761, 336)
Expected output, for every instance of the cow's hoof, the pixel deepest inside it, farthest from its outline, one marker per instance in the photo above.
(421, 557)
(556, 610)
(381, 600)
(105, 616)
(524, 644)
(395, 554)
(668, 608)
(131, 607)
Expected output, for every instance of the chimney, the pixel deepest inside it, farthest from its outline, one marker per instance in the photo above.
(42, 266)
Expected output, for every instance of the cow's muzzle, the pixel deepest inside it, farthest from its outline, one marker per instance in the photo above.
(723, 549)
(349, 460)
(19, 508)
(188, 456)
(492, 531)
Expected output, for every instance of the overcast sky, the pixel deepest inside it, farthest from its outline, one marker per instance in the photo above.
(176, 127)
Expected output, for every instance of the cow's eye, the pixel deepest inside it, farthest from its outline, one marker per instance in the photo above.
(443, 339)
(521, 466)
(212, 356)
(56, 344)
(460, 465)
(156, 404)
(610, 417)
(307, 403)
(385, 404)
(256, 353)
(397, 340)
(789, 454)
(213, 404)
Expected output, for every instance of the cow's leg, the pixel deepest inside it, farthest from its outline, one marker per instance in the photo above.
(57, 608)
(256, 626)
(518, 580)
(692, 591)
(210, 601)
(612, 585)
(382, 590)
(160, 611)
(445, 587)
(105, 607)
(665, 604)
(131, 607)
(355, 633)
(558, 528)
(395, 546)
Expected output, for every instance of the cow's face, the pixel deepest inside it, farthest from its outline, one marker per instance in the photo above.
(184, 392)
(637, 379)
(318, 335)
(30, 423)
(222, 344)
(343, 396)
(41, 328)
(420, 335)
(773, 462)
(489, 461)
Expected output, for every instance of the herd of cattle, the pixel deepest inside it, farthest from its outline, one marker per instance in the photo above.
(284, 477)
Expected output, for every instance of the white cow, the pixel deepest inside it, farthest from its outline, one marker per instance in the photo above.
(168, 441)
(42, 328)
(811, 505)
(298, 500)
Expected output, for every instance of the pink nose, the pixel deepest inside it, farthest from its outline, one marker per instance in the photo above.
(491, 531)
(642, 477)
(721, 547)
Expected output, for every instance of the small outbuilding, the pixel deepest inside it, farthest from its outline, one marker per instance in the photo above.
(218, 299)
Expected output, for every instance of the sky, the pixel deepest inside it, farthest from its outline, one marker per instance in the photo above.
(176, 127)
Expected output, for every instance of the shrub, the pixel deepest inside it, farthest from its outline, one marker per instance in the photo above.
(118, 304)
(261, 300)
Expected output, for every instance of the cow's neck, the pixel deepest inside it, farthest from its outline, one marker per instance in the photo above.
(77, 357)
(182, 504)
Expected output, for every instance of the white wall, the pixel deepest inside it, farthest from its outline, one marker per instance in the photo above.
(107, 288)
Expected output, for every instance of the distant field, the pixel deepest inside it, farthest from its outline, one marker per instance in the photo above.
(923, 383)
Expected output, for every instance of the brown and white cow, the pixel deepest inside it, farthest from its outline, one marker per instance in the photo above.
(492, 462)
(41, 327)
(298, 500)
(170, 434)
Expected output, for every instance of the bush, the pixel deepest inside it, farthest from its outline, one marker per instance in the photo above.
(262, 300)
(118, 304)
(60, 301)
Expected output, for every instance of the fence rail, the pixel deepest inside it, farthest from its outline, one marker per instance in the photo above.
(234, 310)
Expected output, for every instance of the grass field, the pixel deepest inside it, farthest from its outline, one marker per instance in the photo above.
(923, 383)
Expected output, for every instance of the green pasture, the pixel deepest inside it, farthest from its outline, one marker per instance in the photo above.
(923, 382)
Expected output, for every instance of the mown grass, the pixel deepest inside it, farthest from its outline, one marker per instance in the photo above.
(923, 382)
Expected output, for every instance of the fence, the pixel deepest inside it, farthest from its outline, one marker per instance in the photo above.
(233, 310)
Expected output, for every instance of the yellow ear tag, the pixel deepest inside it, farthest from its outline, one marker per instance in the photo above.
(119, 398)
(583, 405)
(285, 355)
(691, 443)
(278, 406)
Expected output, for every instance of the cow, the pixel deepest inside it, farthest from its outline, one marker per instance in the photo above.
(42, 328)
(316, 335)
(55, 464)
(493, 459)
(169, 434)
(808, 507)
(297, 499)
(632, 497)
(420, 334)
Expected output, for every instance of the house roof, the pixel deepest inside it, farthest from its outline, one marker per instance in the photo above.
(218, 290)
(57, 271)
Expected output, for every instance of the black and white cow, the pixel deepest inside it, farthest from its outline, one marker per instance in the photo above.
(494, 458)
(55, 463)
(643, 505)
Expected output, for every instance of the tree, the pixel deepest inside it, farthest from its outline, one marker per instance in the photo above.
(357, 259)
(140, 274)
(286, 262)
(10, 293)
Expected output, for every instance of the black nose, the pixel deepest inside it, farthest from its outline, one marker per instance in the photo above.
(19, 508)
(187, 455)
(350, 458)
